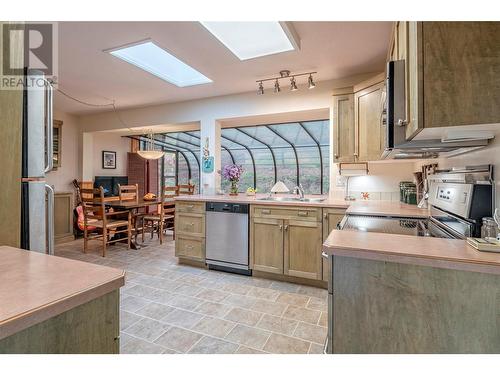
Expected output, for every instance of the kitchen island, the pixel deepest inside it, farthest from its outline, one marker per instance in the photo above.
(405, 294)
(50, 304)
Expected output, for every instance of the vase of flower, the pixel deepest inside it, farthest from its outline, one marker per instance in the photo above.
(232, 173)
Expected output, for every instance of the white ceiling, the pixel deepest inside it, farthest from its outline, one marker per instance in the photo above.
(333, 49)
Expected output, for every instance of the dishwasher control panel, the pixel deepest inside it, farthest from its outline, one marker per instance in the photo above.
(235, 208)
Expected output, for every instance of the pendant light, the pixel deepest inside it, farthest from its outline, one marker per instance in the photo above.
(310, 82)
(150, 153)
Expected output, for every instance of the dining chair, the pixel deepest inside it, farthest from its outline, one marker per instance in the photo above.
(106, 224)
(165, 217)
(186, 189)
(131, 193)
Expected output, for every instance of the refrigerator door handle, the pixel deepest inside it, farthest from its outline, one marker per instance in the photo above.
(50, 219)
(49, 139)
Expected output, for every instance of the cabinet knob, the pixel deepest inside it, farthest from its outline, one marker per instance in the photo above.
(281, 227)
(286, 227)
(325, 216)
(402, 122)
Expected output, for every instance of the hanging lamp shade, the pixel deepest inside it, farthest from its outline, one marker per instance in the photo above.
(150, 153)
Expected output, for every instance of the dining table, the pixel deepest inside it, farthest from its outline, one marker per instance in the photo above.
(134, 205)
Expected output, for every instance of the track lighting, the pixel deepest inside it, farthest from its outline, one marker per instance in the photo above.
(293, 83)
(310, 82)
(261, 89)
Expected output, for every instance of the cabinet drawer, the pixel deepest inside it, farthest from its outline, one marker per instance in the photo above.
(293, 213)
(189, 247)
(192, 224)
(185, 206)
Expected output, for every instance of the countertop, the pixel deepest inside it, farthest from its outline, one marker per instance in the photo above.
(35, 287)
(243, 198)
(384, 208)
(426, 251)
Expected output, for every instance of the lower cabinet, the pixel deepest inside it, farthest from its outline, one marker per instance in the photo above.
(331, 218)
(302, 245)
(190, 230)
(267, 245)
(286, 241)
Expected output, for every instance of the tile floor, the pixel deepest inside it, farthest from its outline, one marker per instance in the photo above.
(171, 308)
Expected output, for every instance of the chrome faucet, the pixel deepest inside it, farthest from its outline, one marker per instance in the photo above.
(299, 190)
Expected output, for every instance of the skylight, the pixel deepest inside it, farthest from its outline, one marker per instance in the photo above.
(155, 60)
(248, 40)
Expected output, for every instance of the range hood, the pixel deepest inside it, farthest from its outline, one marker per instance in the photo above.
(455, 142)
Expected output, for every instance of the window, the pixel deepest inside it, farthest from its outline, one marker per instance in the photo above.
(294, 153)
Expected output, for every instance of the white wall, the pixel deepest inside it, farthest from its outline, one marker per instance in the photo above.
(69, 170)
(109, 142)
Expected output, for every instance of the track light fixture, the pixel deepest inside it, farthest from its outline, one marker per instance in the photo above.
(261, 89)
(310, 82)
(286, 74)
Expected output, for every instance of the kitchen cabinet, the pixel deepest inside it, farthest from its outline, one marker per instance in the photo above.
(286, 240)
(368, 123)
(331, 218)
(190, 231)
(267, 245)
(303, 249)
(359, 134)
(452, 73)
(343, 125)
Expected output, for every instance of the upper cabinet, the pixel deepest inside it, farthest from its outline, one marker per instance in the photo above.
(357, 121)
(452, 73)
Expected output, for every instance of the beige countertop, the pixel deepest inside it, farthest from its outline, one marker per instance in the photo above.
(384, 208)
(35, 287)
(243, 198)
(426, 251)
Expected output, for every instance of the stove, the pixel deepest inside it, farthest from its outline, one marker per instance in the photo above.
(459, 198)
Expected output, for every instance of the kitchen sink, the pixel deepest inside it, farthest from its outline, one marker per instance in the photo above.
(291, 199)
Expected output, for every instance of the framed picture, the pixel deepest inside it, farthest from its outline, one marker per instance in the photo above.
(108, 160)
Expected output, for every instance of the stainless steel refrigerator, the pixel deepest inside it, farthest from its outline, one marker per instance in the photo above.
(37, 197)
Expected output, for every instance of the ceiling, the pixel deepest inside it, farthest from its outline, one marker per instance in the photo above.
(333, 49)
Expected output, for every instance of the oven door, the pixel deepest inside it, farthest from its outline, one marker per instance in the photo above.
(446, 225)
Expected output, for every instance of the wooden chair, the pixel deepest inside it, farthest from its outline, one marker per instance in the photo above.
(165, 217)
(106, 223)
(128, 192)
(186, 189)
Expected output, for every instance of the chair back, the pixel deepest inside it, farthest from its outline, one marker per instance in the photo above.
(186, 189)
(93, 202)
(170, 191)
(128, 192)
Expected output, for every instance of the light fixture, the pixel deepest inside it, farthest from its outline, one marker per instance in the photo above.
(286, 74)
(248, 40)
(310, 82)
(149, 152)
(351, 170)
(155, 60)
(277, 87)
(261, 89)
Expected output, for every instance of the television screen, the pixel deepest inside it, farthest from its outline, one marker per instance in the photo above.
(110, 184)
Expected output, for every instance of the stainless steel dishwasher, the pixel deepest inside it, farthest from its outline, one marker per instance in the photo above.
(227, 237)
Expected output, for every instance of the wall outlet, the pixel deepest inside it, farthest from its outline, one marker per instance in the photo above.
(340, 181)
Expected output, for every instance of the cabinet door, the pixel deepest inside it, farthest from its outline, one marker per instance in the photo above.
(414, 85)
(367, 115)
(343, 139)
(461, 68)
(331, 218)
(267, 245)
(303, 249)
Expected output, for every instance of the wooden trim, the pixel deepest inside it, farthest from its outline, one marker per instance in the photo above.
(375, 80)
(343, 91)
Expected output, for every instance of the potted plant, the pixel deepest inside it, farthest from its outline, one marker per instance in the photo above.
(232, 173)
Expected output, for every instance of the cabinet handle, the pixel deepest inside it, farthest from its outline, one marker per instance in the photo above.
(402, 122)
(281, 227)
(302, 213)
(189, 247)
(325, 216)
(286, 227)
(324, 255)
(266, 212)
